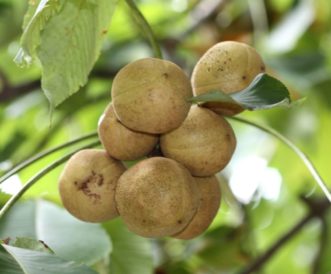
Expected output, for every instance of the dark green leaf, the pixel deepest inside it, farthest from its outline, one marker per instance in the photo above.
(263, 93)
(231, 255)
(8, 264)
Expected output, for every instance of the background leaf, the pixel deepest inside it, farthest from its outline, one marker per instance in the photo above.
(32, 244)
(34, 262)
(131, 254)
(68, 237)
(8, 263)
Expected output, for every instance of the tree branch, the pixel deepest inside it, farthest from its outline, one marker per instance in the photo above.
(9, 93)
(204, 10)
(323, 242)
(319, 208)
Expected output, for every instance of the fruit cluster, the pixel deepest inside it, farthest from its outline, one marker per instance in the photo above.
(175, 193)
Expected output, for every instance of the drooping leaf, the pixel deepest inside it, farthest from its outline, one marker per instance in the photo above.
(263, 93)
(66, 37)
(131, 254)
(68, 237)
(32, 7)
(34, 262)
(35, 21)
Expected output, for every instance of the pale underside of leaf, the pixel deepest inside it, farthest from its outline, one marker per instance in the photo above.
(34, 262)
(60, 231)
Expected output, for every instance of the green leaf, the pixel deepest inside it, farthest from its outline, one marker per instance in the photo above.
(31, 11)
(131, 254)
(68, 237)
(231, 255)
(35, 21)
(66, 37)
(34, 262)
(263, 93)
(8, 264)
(31, 244)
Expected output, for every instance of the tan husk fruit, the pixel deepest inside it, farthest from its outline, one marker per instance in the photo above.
(204, 143)
(210, 199)
(157, 197)
(150, 95)
(121, 142)
(87, 185)
(229, 67)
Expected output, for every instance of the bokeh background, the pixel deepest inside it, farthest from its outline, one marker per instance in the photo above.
(266, 188)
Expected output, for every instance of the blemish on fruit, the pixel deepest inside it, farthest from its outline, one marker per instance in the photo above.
(90, 182)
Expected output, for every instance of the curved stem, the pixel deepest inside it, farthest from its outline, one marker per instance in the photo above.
(43, 154)
(38, 176)
(146, 28)
(312, 169)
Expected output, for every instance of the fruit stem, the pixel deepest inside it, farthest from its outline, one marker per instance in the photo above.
(43, 154)
(145, 27)
(308, 163)
(38, 176)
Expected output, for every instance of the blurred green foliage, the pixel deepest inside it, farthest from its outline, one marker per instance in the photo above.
(294, 38)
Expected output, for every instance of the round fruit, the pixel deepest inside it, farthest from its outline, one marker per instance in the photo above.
(157, 197)
(87, 185)
(229, 67)
(121, 142)
(150, 95)
(204, 143)
(210, 198)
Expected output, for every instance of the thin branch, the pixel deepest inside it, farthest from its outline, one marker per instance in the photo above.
(202, 12)
(259, 18)
(323, 242)
(9, 93)
(43, 154)
(145, 27)
(320, 209)
(310, 166)
(38, 176)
